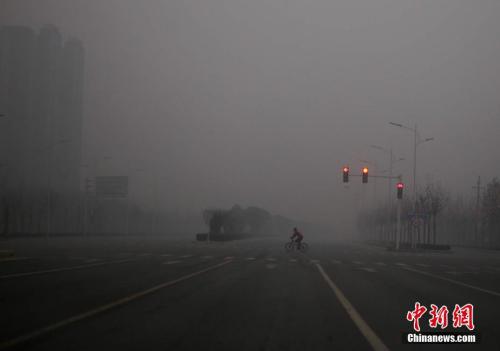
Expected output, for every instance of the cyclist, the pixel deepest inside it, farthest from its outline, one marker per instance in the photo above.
(297, 236)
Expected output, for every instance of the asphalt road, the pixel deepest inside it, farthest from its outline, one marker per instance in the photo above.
(178, 294)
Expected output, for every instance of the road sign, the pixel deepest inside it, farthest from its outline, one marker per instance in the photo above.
(111, 186)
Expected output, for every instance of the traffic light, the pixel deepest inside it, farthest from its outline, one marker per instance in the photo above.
(345, 174)
(365, 174)
(400, 187)
(88, 185)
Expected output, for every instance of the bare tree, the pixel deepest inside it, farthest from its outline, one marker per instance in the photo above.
(491, 211)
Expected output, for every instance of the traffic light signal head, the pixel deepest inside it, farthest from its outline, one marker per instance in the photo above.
(345, 174)
(364, 174)
(400, 187)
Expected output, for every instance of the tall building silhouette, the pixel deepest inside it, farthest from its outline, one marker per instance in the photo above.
(41, 87)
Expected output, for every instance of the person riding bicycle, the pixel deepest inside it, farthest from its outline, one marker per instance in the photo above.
(297, 237)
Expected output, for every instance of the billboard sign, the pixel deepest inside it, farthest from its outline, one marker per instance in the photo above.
(111, 186)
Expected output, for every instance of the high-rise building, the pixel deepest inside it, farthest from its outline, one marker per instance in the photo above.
(41, 87)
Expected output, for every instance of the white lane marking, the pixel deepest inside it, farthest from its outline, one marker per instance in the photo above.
(401, 264)
(371, 270)
(171, 262)
(93, 260)
(372, 338)
(55, 270)
(357, 262)
(104, 308)
(336, 261)
(491, 292)
(423, 265)
(491, 268)
(8, 259)
(381, 264)
(270, 265)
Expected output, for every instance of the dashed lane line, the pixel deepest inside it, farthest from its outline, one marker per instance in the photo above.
(373, 339)
(50, 328)
(367, 269)
(171, 262)
(423, 265)
(487, 291)
(56, 270)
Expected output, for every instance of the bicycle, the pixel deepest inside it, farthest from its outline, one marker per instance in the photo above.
(293, 246)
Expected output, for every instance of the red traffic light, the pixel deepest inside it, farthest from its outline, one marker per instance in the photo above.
(365, 175)
(345, 174)
(400, 187)
(365, 170)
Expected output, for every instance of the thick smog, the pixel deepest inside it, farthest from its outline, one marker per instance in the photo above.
(249, 175)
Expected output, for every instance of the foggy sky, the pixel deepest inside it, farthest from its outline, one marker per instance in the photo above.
(211, 103)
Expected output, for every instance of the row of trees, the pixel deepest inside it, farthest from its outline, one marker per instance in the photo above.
(28, 213)
(237, 220)
(439, 219)
(251, 220)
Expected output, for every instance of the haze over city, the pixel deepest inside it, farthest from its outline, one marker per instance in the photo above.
(249, 175)
(262, 103)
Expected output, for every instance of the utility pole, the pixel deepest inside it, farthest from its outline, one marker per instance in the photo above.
(478, 211)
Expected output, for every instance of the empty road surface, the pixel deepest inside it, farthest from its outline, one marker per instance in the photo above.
(177, 294)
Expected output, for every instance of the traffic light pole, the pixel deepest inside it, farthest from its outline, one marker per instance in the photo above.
(398, 224)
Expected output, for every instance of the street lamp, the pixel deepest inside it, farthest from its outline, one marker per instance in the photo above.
(416, 141)
(392, 159)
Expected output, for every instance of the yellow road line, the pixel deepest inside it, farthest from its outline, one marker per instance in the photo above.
(376, 343)
(104, 308)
